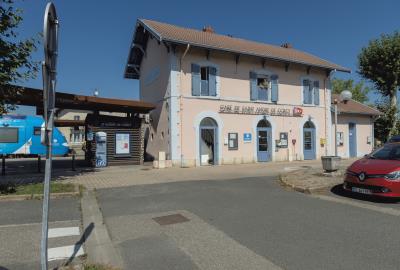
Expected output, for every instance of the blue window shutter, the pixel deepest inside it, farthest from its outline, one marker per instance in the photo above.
(195, 80)
(306, 86)
(274, 88)
(316, 92)
(212, 81)
(253, 86)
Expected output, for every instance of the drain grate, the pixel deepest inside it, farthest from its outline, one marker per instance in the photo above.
(170, 219)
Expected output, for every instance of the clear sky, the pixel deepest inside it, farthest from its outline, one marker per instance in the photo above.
(95, 35)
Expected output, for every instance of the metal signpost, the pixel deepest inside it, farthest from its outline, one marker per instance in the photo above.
(50, 41)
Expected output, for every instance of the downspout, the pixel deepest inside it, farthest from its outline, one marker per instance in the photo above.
(180, 99)
(326, 116)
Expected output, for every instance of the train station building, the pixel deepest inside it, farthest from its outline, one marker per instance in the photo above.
(225, 100)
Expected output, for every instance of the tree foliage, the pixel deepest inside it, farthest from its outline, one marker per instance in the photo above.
(358, 90)
(383, 125)
(16, 64)
(380, 63)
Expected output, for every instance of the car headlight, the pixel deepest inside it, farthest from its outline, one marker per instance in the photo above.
(393, 176)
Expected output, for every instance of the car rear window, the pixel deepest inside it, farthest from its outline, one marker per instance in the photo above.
(8, 135)
(388, 151)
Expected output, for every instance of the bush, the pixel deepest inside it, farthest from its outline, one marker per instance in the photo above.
(8, 188)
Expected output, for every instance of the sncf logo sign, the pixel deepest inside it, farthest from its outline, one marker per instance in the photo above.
(297, 111)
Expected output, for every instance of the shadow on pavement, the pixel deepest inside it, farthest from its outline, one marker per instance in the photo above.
(25, 170)
(3, 268)
(80, 243)
(339, 191)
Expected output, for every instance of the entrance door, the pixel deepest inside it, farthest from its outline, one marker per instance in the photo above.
(207, 146)
(309, 150)
(264, 141)
(208, 142)
(352, 140)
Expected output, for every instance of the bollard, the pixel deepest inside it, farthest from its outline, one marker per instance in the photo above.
(39, 168)
(3, 165)
(73, 161)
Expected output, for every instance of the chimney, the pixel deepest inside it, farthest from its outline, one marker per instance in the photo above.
(208, 29)
(287, 45)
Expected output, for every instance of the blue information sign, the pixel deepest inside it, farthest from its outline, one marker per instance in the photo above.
(247, 137)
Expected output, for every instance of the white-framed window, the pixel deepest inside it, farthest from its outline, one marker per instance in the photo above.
(310, 90)
(204, 80)
(264, 87)
(77, 135)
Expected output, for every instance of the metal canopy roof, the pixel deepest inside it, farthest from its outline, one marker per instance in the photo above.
(34, 97)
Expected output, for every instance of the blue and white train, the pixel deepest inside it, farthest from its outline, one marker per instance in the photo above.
(20, 135)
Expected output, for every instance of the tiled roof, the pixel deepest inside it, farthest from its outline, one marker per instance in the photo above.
(355, 107)
(173, 33)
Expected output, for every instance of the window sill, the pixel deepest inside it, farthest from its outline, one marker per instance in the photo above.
(310, 105)
(264, 101)
(206, 97)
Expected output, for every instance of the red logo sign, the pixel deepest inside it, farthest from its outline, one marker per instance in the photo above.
(297, 111)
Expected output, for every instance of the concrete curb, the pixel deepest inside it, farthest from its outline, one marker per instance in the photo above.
(306, 190)
(99, 248)
(40, 196)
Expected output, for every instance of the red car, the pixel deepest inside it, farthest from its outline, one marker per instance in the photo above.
(377, 173)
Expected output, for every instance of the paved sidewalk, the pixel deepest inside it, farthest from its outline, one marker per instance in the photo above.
(312, 179)
(123, 176)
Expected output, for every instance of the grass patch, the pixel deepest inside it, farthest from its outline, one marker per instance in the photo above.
(98, 267)
(30, 189)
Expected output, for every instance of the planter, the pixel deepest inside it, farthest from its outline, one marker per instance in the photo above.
(330, 163)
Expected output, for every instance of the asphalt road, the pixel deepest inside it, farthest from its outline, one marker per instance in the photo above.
(256, 222)
(20, 230)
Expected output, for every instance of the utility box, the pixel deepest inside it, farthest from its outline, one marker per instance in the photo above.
(101, 149)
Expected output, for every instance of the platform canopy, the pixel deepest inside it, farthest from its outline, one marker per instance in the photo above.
(34, 97)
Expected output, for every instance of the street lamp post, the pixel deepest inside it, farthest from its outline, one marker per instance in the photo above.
(345, 96)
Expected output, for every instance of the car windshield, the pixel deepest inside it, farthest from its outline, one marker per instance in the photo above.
(388, 151)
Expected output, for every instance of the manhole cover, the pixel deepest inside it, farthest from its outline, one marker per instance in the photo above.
(170, 219)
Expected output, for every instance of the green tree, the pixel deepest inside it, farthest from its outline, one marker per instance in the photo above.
(383, 124)
(380, 63)
(16, 64)
(358, 90)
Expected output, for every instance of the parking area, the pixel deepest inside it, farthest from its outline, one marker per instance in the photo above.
(269, 225)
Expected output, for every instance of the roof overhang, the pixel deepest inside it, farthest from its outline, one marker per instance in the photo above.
(34, 97)
(143, 31)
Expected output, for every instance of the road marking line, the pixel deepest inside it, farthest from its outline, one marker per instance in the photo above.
(65, 252)
(62, 232)
(38, 223)
(384, 210)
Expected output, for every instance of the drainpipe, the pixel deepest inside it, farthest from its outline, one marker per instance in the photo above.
(329, 104)
(180, 98)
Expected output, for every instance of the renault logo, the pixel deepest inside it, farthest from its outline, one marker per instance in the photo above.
(361, 176)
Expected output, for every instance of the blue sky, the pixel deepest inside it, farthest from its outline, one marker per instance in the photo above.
(95, 35)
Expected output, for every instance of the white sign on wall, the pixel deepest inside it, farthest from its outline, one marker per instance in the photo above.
(122, 143)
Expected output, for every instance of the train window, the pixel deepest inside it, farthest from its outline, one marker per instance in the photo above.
(8, 135)
(37, 131)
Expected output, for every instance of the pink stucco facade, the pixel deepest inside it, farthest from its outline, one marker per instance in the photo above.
(166, 80)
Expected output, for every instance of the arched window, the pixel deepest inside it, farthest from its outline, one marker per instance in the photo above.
(208, 122)
(309, 124)
(263, 124)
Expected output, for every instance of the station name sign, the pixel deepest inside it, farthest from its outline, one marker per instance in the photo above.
(253, 110)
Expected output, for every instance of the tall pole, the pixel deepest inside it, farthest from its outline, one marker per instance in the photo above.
(336, 150)
(50, 38)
